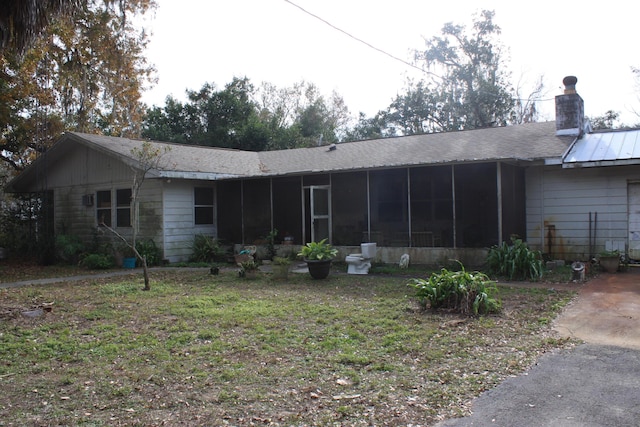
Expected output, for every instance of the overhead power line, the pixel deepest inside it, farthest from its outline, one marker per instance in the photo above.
(369, 45)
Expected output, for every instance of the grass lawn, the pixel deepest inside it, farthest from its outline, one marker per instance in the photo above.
(218, 350)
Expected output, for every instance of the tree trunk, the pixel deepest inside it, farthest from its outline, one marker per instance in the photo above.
(147, 286)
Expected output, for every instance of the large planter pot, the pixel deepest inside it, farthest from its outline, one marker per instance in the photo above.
(319, 269)
(610, 264)
(129, 262)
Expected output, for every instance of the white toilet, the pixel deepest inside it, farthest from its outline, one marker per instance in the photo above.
(361, 263)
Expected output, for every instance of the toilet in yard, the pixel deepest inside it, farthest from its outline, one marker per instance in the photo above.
(361, 263)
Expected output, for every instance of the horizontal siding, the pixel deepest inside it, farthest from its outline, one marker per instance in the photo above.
(564, 198)
(179, 228)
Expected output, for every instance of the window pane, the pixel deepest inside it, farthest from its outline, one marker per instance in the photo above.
(204, 215)
(103, 205)
(123, 217)
(123, 197)
(203, 196)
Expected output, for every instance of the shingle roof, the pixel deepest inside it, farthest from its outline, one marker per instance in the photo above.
(530, 142)
(523, 142)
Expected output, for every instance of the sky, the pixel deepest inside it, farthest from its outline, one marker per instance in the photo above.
(212, 41)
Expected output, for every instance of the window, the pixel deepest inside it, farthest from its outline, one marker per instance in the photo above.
(123, 207)
(104, 205)
(203, 198)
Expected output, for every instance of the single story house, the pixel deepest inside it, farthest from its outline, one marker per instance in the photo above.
(565, 190)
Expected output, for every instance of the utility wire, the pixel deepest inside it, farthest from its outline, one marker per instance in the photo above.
(369, 45)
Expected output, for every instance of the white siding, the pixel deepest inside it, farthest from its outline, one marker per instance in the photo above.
(563, 198)
(179, 228)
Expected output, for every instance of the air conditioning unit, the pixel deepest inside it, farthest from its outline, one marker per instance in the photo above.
(87, 200)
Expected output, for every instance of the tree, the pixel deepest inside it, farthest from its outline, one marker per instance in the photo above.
(242, 117)
(606, 121)
(148, 158)
(466, 88)
(21, 21)
(473, 81)
(85, 72)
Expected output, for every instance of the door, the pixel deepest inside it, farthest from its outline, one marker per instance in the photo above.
(317, 213)
(633, 201)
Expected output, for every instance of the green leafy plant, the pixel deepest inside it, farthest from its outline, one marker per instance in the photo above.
(206, 249)
(271, 240)
(318, 251)
(609, 254)
(516, 261)
(97, 262)
(278, 260)
(149, 250)
(462, 291)
(69, 248)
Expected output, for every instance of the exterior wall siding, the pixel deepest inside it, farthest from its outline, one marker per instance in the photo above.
(560, 202)
(179, 228)
(84, 172)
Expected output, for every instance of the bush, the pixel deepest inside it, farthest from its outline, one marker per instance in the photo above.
(515, 261)
(69, 248)
(207, 249)
(462, 291)
(147, 248)
(97, 262)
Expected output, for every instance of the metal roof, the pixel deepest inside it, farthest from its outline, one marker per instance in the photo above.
(607, 148)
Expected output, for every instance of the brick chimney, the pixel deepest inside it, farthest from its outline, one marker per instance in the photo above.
(569, 109)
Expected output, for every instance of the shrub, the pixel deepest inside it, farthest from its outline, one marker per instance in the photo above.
(515, 261)
(462, 291)
(147, 248)
(97, 262)
(207, 249)
(69, 247)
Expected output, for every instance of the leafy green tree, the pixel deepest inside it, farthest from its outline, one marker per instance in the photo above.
(369, 128)
(607, 121)
(242, 117)
(467, 87)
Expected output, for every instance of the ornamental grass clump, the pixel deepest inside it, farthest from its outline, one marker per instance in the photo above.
(469, 293)
(515, 261)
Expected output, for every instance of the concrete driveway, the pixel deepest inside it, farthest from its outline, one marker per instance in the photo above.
(593, 384)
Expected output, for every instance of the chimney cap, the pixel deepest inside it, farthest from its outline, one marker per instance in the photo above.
(569, 83)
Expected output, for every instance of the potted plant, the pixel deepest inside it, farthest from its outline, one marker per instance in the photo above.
(318, 256)
(248, 269)
(609, 260)
(281, 267)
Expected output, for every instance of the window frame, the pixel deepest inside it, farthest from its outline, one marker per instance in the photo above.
(198, 206)
(110, 212)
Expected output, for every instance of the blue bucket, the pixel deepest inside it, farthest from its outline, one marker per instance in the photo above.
(128, 263)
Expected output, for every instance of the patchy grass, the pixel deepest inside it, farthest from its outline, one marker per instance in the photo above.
(210, 350)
